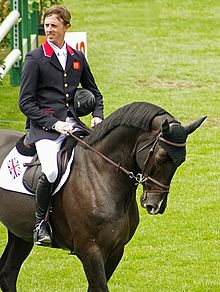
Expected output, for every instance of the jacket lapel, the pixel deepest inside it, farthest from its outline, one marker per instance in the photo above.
(70, 57)
(55, 62)
(69, 61)
(49, 53)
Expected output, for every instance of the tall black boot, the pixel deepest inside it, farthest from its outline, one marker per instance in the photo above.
(42, 233)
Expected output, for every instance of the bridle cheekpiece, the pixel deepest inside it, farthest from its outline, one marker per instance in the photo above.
(143, 179)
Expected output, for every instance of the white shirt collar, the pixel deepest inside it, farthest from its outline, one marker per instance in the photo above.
(60, 53)
(58, 50)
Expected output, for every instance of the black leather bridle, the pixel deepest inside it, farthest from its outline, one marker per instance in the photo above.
(140, 178)
(144, 179)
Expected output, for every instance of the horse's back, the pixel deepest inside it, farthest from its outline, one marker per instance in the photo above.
(8, 140)
(8, 136)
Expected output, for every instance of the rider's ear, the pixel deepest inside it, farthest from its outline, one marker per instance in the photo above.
(165, 127)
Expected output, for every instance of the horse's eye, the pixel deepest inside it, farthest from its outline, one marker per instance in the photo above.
(158, 160)
(161, 158)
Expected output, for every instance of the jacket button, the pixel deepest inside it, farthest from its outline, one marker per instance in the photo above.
(65, 75)
(67, 94)
(66, 85)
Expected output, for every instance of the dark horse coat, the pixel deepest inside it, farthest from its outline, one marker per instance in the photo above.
(95, 214)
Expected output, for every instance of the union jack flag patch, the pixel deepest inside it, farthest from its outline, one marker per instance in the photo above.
(14, 167)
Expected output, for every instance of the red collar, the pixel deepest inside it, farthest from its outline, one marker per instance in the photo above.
(48, 51)
(69, 49)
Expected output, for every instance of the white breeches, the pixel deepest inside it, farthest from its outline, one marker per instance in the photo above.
(47, 153)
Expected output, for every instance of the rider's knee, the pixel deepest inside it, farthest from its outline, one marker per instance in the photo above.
(51, 176)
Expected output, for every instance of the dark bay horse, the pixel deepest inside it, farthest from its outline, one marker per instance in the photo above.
(95, 214)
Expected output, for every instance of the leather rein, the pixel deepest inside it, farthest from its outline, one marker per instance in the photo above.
(139, 178)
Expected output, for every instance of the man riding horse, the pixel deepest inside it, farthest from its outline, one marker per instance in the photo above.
(50, 78)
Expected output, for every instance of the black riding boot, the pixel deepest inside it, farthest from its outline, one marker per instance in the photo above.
(42, 233)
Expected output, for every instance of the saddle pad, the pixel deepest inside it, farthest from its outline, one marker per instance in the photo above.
(12, 171)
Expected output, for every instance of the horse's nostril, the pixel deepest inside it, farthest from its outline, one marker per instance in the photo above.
(150, 209)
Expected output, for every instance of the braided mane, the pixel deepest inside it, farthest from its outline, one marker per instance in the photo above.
(136, 114)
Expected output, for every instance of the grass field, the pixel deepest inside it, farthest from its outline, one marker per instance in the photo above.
(165, 52)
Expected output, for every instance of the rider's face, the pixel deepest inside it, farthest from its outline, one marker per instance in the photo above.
(55, 29)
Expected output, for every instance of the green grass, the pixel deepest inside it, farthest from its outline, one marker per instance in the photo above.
(165, 52)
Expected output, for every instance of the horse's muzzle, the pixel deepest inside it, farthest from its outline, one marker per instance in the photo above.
(154, 203)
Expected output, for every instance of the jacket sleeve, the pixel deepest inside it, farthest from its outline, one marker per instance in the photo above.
(87, 81)
(28, 94)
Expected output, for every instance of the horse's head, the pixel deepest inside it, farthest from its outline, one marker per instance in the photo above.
(158, 159)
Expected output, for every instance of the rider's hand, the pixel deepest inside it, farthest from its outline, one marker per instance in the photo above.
(95, 121)
(63, 127)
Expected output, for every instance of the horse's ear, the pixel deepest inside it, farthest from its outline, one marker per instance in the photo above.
(165, 127)
(192, 127)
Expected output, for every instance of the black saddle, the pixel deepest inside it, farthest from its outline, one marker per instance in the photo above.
(33, 170)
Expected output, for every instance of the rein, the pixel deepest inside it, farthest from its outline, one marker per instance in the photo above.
(118, 166)
(140, 176)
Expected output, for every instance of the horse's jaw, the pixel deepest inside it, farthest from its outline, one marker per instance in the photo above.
(154, 203)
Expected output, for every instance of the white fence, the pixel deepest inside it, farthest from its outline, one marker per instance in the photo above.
(11, 20)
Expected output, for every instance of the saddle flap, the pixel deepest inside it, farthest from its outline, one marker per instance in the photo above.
(32, 174)
(34, 171)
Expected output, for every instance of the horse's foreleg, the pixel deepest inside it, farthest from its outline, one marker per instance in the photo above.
(14, 255)
(113, 261)
(4, 255)
(94, 268)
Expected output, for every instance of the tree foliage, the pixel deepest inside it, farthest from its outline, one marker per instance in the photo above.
(44, 5)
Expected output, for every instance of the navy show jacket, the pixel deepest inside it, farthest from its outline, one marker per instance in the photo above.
(47, 91)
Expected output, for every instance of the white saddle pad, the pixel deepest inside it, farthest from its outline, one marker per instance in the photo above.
(12, 171)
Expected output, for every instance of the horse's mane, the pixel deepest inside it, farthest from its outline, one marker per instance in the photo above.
(136, 114)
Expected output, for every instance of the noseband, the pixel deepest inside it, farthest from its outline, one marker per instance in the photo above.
(140, 178)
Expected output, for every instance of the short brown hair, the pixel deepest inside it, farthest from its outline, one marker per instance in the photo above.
(61, 11)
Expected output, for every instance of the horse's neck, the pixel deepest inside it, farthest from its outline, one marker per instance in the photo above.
(119, 144)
